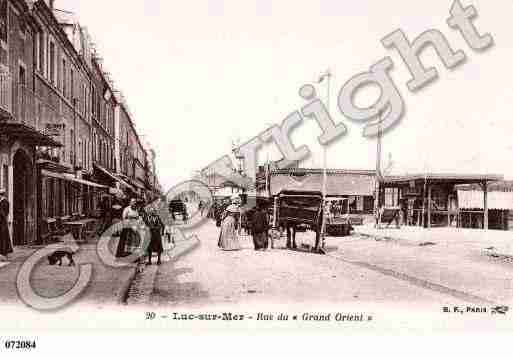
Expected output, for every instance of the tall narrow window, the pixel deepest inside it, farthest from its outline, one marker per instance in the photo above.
(22, 94)
(72, 86)
(41, 49)
(72, 147)
(84, 99)
(64, 78)
(52, 64)
(5, 177)
(22, 76)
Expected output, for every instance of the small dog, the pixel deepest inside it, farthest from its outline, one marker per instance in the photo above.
(56, 257)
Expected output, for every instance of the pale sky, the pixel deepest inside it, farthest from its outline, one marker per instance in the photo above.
(199, 74)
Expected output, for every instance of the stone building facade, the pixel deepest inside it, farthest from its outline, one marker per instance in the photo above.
(59, 112)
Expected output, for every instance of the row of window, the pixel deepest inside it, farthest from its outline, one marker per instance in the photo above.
(103, 152)
(70, 83)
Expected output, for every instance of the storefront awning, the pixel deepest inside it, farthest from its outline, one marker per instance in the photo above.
(27, 134)
(139, 184)
(114, 177)
(475, 200)
(70, 177)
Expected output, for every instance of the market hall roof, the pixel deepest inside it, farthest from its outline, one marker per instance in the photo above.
(339, 182)
(321, 170)
(452, 178)
(499, 186)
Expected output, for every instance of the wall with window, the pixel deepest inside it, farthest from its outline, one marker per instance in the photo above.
(61, 85)
(102, 108)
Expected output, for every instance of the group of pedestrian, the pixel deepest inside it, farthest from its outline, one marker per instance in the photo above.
(230, 224)
(130, 238)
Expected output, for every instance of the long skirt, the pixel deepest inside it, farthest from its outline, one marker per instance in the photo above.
(229, 238)
(261, 240)
(128, 242)
(5, 238)
(156, 241)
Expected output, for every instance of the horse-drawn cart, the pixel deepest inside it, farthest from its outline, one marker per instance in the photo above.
(294, 209)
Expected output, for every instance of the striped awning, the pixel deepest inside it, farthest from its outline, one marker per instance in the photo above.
(114, 177)
(70, 177)
(475, 199)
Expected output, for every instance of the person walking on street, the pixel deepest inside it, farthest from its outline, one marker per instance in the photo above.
(291, 235)
(153, 221)
(201, 207)
(260, 228)
(228, 236)
(168, 232)
(106, 215)
(127, 236)
(5, 238)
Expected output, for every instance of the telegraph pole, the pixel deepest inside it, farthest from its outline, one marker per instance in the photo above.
(325, 164)
(378, 168)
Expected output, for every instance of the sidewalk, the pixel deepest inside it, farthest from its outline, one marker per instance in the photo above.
(465, 262)
(107, 285)
(492, 241)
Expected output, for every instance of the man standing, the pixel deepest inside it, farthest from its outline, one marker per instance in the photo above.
(105, 214)
(291, 235)
(260, 228)
(5, 238)
(201, 207)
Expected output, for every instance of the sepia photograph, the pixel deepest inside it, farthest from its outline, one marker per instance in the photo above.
(256, 165)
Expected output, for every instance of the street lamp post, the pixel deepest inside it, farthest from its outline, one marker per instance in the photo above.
(267, 168)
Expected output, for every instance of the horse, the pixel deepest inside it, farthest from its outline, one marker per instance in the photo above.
(291, 228)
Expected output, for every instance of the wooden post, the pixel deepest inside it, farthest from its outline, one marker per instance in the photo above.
(275, 212)
(429, 207)
(448, 209)
(485, 205)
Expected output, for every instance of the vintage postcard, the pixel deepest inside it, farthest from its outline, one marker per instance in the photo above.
(206, 165)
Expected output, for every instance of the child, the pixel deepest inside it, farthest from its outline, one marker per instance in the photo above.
(168, 232)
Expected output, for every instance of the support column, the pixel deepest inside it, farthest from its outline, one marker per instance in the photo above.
(10, 196)
(429, 207)
(448, 210)
(485, 206)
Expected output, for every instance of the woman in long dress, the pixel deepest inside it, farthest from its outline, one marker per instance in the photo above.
(128, 236)
(156, 226)
(229, 236)
(5, 240)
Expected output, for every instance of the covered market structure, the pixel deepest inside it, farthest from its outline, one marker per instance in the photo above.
(434, 199)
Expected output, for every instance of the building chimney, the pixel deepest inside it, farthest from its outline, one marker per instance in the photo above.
(51, 4)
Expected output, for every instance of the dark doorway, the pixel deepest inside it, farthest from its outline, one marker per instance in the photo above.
(22, 179)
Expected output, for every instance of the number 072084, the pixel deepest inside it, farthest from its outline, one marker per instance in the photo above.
(20, 344)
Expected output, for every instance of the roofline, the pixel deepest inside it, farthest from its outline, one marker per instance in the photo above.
(329, 171)
(50, 16)
(444, 176)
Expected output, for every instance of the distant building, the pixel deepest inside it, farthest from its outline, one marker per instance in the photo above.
(357, 186)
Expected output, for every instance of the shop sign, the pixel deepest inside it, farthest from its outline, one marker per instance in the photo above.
(54, 129)
(411, 192)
